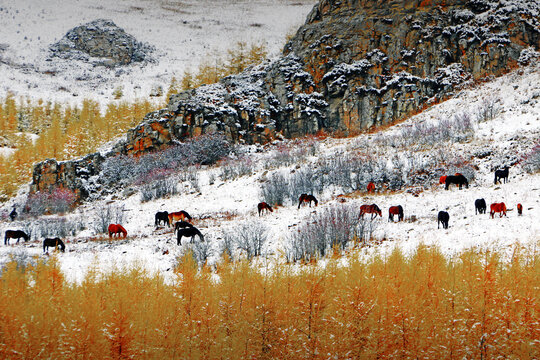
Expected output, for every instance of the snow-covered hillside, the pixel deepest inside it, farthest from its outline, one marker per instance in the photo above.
(220, 207)
(183, 33)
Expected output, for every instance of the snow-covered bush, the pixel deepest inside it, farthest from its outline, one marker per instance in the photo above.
(531, 161)
(201, 251)
(333, 228)
(59, 200)
(304, 181)
(51, 227)
(106, 215)
(234, 169)
(159, 189)
(488, 109)
(275, 190)
(249, 237)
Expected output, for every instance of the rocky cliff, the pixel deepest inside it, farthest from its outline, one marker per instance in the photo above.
(353, 65)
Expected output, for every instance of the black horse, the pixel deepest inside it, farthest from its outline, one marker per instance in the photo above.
(13, 214)
(443, 218)
(501, 174)
(162, 216)
(56, 242)
(480, 206)
(189, 232)
(456, 179)
(15, 234)
(182, 225)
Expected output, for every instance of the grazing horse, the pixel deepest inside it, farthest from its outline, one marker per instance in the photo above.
(520, 209)
(456, 179)
(501, 174)
(497, 207)
(264, 206)
(442, 179)
(15, 234)
(116, 229)
(189, 232)
(480, 206)
(182, 225)
(395, 210)
(307, 198)
(162, 217)
(443, 218)
(178, 216)
(56, 242)
(372, 209)
(370, 187)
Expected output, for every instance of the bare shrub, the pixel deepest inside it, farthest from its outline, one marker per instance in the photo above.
(275, 190)
(201, 251)
(106, 215)
(59, 200)
(333, 228)
(236, 168)
(249, 237)
(531, 161)
(304, 181)
(55, 227)
(159, 189)
(488, 109)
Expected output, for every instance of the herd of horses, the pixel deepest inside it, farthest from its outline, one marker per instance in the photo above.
(184, 228)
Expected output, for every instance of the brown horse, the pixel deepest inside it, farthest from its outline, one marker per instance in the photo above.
(372, 209)
(497, 207)
(116, 229)
(264, 206)
(395, 210)
(520, 209)
(307, 198)
(179, 216)
(15, 234)
(370, 187)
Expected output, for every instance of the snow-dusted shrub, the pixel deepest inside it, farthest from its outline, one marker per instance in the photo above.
(488, 109)
(333, 228)
(231, 170)
(22, 258)
(275, 190)
(51, 227)
(120, 169)
(207, 149)
(201, 251)
(59, 200)
(159, 189)
(531, 161)
(106, 215)
(249, 237)
(304, 181)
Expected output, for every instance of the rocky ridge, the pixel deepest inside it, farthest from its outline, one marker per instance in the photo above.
(353, 65)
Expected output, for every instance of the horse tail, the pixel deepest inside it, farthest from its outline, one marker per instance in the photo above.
(495, 180)
(316, 201)
(44, 242)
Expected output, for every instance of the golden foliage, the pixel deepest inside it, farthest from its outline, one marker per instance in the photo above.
(423, 306)
(63, 132)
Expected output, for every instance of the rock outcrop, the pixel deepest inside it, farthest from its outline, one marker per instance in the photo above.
(353, 65)
(101, 42)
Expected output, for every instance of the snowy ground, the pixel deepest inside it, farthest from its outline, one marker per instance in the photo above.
(183, 32)
(225, 205)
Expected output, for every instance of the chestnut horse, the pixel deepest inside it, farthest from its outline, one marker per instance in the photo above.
(520, 209)
(372, 209)
(15, 234)
(189, 232)
(178, 216)
(443, 218)
(501, 174)
(395, 210)
(56, 242)
(116, 229)
(307, 198)
(264, 206)
(370, 187)
(498, 207)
